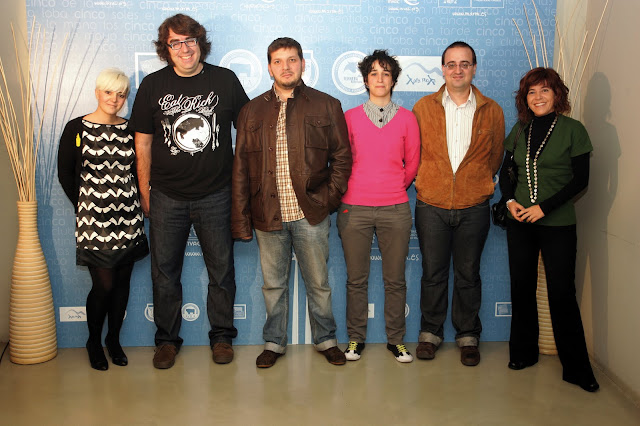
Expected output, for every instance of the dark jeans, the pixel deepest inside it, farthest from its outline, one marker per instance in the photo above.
(169, 225)
(444, 234)
(558, 245)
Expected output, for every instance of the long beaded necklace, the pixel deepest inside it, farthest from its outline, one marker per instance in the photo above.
(533, 190)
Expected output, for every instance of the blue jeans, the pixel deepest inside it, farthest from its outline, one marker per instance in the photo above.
(444, 234)
(169, 225)
(311, 246)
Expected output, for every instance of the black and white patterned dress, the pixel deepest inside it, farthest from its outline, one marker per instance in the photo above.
(109, 220)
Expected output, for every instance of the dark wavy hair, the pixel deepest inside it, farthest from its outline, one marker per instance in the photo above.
(283, 43)
(548, 77)
(386, 61)
(183, 25)
(461, 44)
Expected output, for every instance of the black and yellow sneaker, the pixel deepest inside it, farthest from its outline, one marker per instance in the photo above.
(400, 352)
(353, 351)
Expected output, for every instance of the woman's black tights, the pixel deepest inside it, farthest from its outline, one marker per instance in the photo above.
(109, 295)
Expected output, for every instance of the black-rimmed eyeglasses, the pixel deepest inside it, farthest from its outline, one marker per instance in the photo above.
(177, 45)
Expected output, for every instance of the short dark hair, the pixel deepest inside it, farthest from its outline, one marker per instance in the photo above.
(548, 77)
(460, 44)
(386, 61)
(283, 43)
(184, 25)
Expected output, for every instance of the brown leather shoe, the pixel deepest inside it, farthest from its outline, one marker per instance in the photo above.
(335, 356)
(222, 353)
(426, 350)
(267, 359)
(165, 356)
(470, 356)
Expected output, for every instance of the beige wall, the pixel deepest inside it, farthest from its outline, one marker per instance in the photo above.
(608, 226)
(12, 12)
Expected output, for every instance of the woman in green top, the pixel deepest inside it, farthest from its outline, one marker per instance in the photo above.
(550, 164)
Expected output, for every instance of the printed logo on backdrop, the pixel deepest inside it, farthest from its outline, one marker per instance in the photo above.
(406, 310)
(247, 67)
(240, 311)
(190, 311)
(148, 312)
(193, 244)
(346, 75)
(146, 63)
(311, 70)
(475, 4)
(420, 74)
(73, 314)
(503, 309)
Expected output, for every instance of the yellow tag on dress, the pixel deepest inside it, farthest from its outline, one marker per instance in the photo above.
(78, 139)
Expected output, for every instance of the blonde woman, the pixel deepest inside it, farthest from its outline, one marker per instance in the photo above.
(96, 170)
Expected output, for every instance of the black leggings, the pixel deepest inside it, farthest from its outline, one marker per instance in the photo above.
(109, 295)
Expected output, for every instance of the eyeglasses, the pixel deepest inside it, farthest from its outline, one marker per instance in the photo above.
(452, 65)
(177, 45)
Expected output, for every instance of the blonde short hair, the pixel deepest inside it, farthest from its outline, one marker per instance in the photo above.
(114, 80)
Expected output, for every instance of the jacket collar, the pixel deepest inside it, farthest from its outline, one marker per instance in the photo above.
(300, 90)
(480, 99)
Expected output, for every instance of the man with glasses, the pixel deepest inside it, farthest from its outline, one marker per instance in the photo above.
(461, 134)
(182, 117)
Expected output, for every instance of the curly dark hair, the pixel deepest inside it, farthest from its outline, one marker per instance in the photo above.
(548, 77)
(184, 25)
(386, 61)
(283, 43)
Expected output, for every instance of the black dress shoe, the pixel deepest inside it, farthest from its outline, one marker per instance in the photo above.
(590, 385)
(519, 365)
(116, 353)
(96, 357)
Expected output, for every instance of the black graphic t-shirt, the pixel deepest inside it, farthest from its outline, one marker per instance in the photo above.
(190, 119)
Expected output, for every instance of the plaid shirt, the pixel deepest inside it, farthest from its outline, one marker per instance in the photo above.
(289, 207)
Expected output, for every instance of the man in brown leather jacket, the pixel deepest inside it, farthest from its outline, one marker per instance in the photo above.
(291, 168)
(461, 135)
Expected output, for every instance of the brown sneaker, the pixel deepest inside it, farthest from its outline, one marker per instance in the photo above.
(267, 358)
(222, 353)
(165, 356)
(335, 356)
(426, 350)
(469, 356)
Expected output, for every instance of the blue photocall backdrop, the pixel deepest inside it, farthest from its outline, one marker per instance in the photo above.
(86, 36)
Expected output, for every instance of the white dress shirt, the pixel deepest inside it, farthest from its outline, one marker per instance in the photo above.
(459, 126)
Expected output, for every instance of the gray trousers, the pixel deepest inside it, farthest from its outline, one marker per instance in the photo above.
(392, 226)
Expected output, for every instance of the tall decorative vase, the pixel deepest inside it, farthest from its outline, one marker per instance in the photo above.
(546, 340)
(32, 323)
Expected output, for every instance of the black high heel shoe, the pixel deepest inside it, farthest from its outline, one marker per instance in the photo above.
(519, 365)
(96, 357)
(118, 357)
(590, 385)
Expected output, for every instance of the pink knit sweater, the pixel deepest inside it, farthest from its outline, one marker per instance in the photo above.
(385, 161)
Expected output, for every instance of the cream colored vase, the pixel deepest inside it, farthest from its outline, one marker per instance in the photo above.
(32, 322)
(546, 340)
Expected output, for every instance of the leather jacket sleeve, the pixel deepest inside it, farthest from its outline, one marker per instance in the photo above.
(340, 156)
(240, 211)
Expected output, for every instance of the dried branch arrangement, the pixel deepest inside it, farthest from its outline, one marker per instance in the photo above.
(20, 120)
(571, 72)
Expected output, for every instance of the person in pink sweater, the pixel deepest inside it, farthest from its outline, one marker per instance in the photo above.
(385, 146)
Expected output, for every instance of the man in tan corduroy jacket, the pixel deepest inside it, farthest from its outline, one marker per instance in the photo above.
(462, 133)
